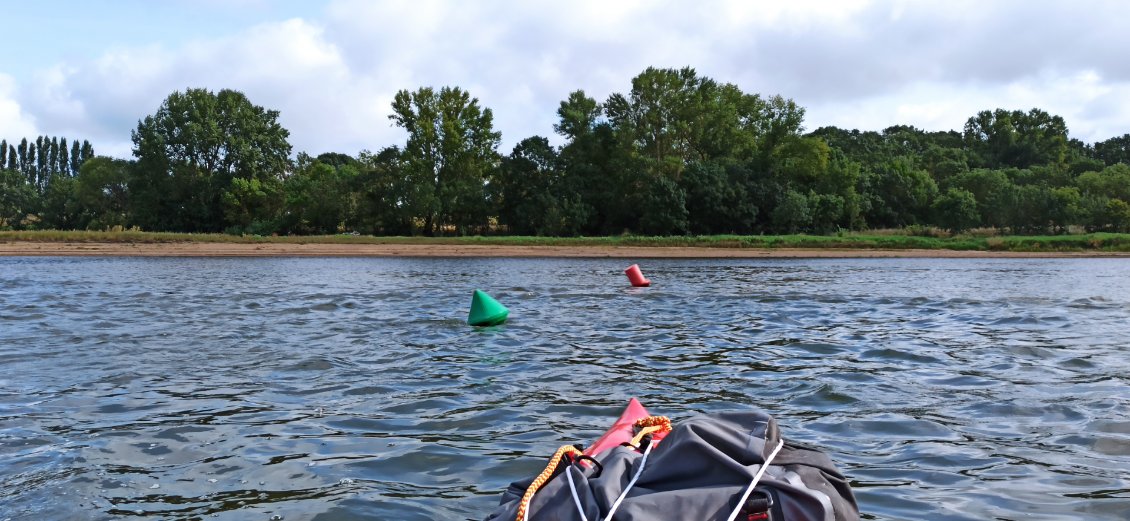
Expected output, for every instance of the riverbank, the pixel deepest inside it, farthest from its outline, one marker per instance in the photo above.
(216, 249)
(853, 245)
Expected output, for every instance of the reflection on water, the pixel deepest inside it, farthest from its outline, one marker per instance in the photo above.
(352, 388)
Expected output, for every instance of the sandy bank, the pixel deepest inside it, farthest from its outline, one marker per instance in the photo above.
(198, 249)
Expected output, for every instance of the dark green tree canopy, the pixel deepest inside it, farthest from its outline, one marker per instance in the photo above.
(1002, 138)
(102, 192)
(191, 153)
(1114, 150)
(577, 116)
(219, 133)
(672, 117)
(450, 154)
(675, 153)
(534, 195)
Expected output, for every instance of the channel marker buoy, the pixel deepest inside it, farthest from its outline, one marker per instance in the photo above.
(635, 276)
(485, 311)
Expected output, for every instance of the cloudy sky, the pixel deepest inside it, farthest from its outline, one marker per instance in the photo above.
(90, 69)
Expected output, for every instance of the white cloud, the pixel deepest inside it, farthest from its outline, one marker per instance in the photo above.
(14, 123)
(1092, 107)
(285, 66)
(856, 64)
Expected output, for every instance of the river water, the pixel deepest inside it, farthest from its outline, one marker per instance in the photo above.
(335, 389)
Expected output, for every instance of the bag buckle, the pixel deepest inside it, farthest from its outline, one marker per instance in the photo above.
(758, 505)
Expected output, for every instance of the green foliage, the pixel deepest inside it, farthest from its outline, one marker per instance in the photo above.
(1103, 198)
(777, 120)
(534, 197)
(1002, 138)
(656, 117)
(792, 214)
(383, 195)
(673, 117)
(677, 153)
(191, 150)
(577, 115)
(1039, 209)
(252, 206)
(1081, 158)
(801, 161)
(993, 192)
(956, 210)
(40, 162)
(1112, 181)
(1114, 216)
(1114, 150)
(944, 163)
(1065, 207)
(897, 193)
(841, 180)
(102, 192)
(318, 199)
(717, 200)
(663, 206)
(827, 212)
(450, 154)
(18, 200)
(1093, 242)
(62, 209)
(599, 168)
(76, 157)
(64, 159)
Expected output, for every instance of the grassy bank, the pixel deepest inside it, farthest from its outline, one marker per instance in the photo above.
(1107, 242)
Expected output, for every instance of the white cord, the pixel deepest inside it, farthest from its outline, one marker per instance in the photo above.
(623, 494)
(576, 498)
(756, 478)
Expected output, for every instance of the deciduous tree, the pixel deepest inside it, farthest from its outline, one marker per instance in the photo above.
(192, 149)
(956, 210)
(1002, 138)
(103, 193)
(450, 154)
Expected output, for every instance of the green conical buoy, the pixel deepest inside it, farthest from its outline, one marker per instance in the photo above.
(485, 311)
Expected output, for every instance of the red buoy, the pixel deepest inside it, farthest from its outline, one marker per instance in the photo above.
(636, 277)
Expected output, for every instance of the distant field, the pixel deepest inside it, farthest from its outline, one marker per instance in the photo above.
(1099, 242)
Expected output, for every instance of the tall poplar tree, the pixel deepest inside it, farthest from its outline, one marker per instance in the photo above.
(21, 156)
(29, 168)
(42, 148)
(451, 151)
(53, 158)
(64, 164)
(75, 163)
(86, 153)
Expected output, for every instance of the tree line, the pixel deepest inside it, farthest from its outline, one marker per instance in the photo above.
(678, 153)
(33, 175)
(44, 158)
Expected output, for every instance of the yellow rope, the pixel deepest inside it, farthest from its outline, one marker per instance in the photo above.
(635, 442)
(550, 468)
(648, 425)
(661, 421)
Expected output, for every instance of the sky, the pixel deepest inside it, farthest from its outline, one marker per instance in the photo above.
(91, 69)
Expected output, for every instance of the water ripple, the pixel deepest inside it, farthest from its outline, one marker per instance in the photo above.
(351, 388)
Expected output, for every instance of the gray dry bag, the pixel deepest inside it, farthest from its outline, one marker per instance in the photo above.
(702, 471)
